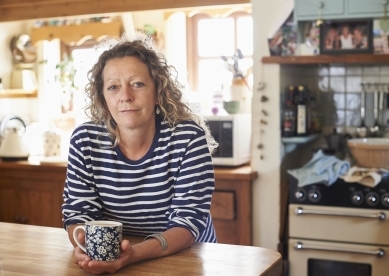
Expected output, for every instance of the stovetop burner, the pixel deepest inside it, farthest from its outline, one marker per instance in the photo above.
(342, 194)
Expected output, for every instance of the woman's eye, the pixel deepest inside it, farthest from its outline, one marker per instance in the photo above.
(112, 87)
(139, 84)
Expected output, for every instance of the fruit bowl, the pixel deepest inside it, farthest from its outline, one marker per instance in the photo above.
(370, 152)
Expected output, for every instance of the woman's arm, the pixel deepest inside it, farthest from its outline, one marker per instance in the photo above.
(177, 239)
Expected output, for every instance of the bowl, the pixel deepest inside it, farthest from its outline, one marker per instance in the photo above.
(232, 107)
(370, 152)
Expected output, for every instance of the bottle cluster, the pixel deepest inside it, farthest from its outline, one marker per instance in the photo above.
(300, 116)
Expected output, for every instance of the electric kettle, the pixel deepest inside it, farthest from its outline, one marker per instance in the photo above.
(13, 146)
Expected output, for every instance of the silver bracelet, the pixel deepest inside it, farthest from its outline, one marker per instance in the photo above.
(160, 238)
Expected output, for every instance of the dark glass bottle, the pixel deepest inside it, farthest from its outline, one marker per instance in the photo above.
(289, 114)
(302, 112)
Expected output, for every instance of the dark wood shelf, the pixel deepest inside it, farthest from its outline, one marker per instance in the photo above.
(328, 59)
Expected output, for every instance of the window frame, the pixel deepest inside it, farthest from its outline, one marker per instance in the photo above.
(193, 53)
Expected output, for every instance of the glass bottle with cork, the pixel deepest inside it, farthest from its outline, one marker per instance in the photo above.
(302, 112)
(289, 113)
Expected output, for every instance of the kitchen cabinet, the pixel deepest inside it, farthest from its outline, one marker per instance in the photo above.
(366, 8)
(231, 207)
(309, 9)
(31, 194)
(339, 9)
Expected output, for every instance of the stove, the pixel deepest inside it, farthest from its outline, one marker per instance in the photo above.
(341, 194)
(338, 230)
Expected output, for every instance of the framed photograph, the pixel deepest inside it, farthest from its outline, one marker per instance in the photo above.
(351, 36)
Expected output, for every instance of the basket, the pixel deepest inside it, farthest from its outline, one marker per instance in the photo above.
(370, 152)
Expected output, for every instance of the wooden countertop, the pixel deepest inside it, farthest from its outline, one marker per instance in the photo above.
(37, 250)
(243, 172)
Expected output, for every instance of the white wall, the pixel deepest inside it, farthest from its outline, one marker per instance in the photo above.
(266, 189)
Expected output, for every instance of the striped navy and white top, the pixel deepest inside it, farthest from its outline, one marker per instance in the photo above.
(171, 186)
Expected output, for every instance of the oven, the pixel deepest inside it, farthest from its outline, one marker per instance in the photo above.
(338, 230)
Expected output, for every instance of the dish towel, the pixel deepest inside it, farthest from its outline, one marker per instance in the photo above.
(369, 177)
(321, 168)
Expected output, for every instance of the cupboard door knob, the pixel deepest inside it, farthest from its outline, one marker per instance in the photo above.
(16, 219)
(24, 220)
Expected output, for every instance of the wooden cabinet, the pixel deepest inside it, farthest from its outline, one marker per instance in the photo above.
(339, 9)
(231, 207)
(31, 194)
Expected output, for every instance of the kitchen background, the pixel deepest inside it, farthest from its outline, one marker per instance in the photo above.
(336, 88)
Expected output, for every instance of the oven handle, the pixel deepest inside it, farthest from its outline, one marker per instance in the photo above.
(379, 252)
(301, 211)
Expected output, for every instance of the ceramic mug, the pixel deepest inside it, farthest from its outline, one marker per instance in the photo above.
(102, 239)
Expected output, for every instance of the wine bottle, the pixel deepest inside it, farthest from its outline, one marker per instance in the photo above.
(302, 112)
(289, 114)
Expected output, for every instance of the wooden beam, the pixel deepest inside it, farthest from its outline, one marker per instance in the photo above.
(12, 10)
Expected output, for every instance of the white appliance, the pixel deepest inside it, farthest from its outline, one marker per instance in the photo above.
(338, 230)
(233, 133)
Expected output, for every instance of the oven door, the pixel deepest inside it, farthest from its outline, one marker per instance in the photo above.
(319, 258)
(339, 224)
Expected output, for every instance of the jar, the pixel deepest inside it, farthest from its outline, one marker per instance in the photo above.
(51, 143)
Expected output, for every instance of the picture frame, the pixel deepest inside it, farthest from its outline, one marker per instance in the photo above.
(346, 36)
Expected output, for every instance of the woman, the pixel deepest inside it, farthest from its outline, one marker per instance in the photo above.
(144, 160)
(346, 38)
(331, 40)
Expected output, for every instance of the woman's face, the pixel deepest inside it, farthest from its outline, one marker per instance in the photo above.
(129, 92)
(345, 30)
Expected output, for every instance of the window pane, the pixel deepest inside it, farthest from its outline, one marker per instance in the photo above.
(216, 37)
(212, 75)
(83, 59)
(245, 35)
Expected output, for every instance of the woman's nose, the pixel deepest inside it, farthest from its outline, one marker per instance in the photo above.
(127, 94)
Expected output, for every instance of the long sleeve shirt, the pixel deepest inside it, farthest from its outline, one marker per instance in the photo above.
(171, 186)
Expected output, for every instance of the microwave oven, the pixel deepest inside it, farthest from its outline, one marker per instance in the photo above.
(233, 133)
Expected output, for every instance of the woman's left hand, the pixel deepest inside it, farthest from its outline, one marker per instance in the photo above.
(99, 267)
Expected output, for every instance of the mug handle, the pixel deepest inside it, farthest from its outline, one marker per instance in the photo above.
(75, 234)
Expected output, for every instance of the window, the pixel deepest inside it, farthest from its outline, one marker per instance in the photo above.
(211, 38)
(84, 57)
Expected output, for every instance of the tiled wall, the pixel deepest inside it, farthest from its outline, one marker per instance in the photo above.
(338, 88)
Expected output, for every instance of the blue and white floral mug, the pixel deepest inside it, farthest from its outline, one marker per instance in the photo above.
(102, 239)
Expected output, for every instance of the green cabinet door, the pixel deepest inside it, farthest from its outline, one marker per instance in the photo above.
(366, 8)
(309, 9)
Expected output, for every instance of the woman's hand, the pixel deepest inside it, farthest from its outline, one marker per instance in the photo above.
(99, 267)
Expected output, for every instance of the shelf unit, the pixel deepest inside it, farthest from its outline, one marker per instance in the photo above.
(77, 34)
(18, 93)
(328, 59)
(291, 143)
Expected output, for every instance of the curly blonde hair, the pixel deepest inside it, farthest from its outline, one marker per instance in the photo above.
(173, 109)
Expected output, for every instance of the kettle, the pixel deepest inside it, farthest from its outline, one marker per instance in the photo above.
(337, 143)
(13, 146)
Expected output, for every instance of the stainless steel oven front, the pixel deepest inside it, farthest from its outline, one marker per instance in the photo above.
(339, 231)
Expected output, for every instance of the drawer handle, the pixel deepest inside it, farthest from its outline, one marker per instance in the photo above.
(300, 211)
(379, 252)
